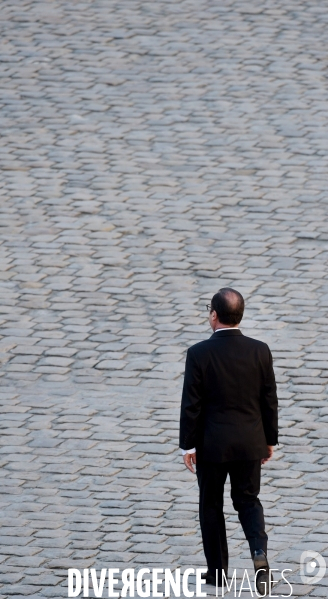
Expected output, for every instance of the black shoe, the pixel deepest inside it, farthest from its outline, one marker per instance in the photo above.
(210, 579)
(261, 565)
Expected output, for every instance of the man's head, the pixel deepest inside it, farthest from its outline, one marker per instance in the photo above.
(227, 308)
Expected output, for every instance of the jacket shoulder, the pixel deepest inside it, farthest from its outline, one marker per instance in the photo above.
(260, 345)
(200, 347)
(207, 344)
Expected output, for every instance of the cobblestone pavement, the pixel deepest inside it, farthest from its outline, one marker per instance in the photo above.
(151, 153)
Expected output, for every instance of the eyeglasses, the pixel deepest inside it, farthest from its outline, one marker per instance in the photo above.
(208, 307)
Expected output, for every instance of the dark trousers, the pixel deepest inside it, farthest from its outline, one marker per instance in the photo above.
(245, 478)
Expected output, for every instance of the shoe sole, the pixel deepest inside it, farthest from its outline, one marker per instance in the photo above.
(263, 583)
(260, 561)
(263, 578)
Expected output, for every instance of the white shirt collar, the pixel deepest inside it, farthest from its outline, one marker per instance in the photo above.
(225, 329)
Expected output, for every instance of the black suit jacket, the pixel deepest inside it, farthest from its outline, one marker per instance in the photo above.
(229, 402)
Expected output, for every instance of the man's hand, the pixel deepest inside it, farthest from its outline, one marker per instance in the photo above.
(270, 452)
(190, 459)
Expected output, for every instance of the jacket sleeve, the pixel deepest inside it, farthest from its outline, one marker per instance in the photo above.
(191, 403)
(269, 405)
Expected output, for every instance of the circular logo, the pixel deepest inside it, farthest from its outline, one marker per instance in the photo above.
(313, 567)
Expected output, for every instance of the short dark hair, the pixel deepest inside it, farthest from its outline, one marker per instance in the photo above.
(229, 306)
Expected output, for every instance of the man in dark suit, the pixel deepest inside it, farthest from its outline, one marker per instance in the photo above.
(229, 421)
